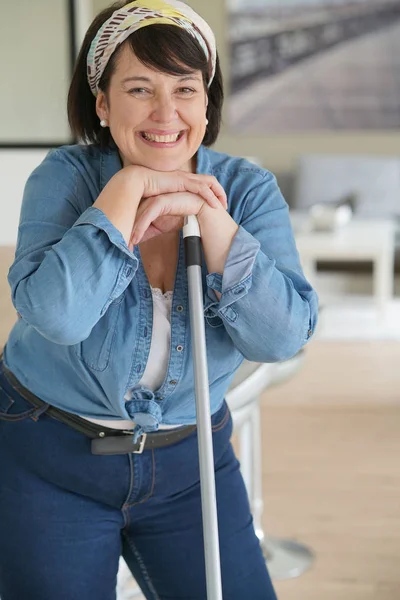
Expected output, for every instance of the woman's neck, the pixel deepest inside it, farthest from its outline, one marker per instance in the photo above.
(189, 167)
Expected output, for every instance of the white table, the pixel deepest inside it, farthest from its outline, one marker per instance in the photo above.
(359, 240)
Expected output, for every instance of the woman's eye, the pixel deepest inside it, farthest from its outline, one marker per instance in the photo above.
(186, 91)
(138, 91)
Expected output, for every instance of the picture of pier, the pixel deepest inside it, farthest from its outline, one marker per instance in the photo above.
(312, 65)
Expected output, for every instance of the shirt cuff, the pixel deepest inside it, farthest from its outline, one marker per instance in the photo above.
(96, 217)
(235, 281)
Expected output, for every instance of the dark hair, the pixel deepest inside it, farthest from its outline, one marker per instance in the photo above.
(166, 48)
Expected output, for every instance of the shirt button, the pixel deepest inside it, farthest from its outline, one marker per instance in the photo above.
(239, 290)
(179, 308)
(173, 382)
(128, 272)
(310, 332)
(179, 348)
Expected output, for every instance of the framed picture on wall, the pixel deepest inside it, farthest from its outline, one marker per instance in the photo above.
(310, 65)
(37, 46)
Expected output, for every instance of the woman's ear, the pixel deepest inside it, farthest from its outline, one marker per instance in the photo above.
(102, 106)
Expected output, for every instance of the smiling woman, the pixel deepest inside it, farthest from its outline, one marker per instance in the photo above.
(147, 109)
(163, 49)
(99, 364)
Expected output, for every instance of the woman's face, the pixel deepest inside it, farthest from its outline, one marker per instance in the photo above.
(157, 120)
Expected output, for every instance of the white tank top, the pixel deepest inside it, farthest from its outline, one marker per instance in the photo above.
(157, 363)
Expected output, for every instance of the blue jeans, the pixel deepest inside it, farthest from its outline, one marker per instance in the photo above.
(67, 515)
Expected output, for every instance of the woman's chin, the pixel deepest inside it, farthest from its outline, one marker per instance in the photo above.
(159, 163)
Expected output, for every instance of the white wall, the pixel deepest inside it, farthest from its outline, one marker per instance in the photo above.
(34, 71)
(35, 63)
(35, 74)
(15, 168)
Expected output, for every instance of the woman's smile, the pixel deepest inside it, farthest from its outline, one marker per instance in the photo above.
(162, 139)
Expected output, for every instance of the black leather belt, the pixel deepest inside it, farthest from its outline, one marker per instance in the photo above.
(105, 440)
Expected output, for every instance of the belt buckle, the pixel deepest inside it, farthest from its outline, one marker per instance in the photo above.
(142, 442)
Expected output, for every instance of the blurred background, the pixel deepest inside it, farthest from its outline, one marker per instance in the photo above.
(312, 94)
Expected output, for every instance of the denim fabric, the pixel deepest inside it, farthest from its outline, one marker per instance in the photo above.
(67, 515)
(84, 335)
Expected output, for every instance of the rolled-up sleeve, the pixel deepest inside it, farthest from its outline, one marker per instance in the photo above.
(69, 267)
(266, 304)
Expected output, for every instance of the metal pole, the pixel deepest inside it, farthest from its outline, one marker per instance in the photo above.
(191, 235)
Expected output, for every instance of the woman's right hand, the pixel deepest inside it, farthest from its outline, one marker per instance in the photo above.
(157, 183)
(120, 198)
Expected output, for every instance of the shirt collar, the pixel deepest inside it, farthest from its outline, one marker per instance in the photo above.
(110, 164)
(203, 162)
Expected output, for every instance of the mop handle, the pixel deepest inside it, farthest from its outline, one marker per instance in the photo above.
(193, 255)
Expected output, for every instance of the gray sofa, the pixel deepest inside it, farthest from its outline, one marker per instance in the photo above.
(374, 182)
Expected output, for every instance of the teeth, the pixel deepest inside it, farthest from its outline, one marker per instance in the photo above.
(151, 137)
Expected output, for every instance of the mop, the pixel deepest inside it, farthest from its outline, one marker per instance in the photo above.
(193, 254)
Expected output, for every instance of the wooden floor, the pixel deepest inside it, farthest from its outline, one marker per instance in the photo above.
(331, 470)
(331, 465)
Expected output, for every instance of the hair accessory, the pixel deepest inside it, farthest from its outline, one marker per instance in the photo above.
(142, 13)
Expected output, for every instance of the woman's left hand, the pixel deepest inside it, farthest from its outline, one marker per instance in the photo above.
(162, 214)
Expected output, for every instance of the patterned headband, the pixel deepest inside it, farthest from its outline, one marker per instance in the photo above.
(138, 14)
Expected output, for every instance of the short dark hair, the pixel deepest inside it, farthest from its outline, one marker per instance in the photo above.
(166, 48)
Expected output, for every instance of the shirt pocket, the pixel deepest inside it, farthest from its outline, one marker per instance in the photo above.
(95, 351)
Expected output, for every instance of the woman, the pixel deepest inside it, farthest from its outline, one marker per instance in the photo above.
(98, 442)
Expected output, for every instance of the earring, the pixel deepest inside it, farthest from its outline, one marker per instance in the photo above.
(206, 121)
(103, 123)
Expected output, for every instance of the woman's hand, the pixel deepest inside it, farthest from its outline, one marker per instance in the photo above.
(156, 183)
(132, 186)
(162, 214)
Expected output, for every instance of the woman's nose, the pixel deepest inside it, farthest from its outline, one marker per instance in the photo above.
(164, 109)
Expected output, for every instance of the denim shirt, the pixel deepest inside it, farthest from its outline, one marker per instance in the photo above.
(85, 302)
